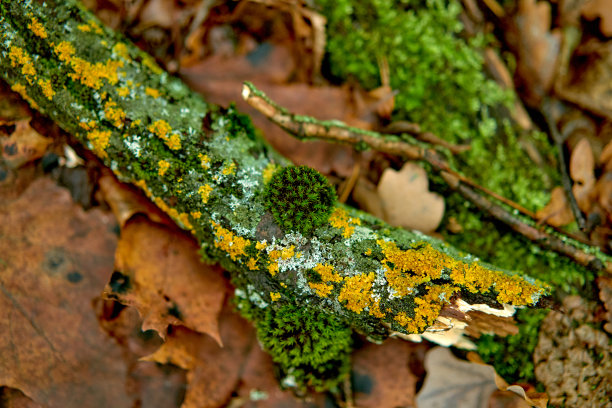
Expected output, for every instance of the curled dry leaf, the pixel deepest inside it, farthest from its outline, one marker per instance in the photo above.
(557, 212)
(599, 9)
(454, 383)
(213, 372)
(23, 145)
(582, 172)
(159, 272)
(407, 201)
(57, 260)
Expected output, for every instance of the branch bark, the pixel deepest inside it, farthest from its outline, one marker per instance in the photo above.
(204, 166)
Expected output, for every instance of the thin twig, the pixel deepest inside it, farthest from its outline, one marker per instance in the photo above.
(304, 127)
(308, 128)
(563, 165)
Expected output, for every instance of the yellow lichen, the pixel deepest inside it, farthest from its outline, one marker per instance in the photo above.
(287, 253)
(327, 273)
(152, 92)
(205, 192)
(99, 140)
(204, 161)
(19, 57)
(121, 50)
(152, 65)
(123, 91)
(229, 242)
(229, 169)
(374, 310)
(183, 218)
(114, 114)
(196, 214)
(163, 166)
(162, 129)
(88, 125)
(46, 87)
(268, 171)
(357, 291)
(321, 289)
(64, 51)
(143, 186)
(84, 27)
(427, 308)
(259, 245)
(37, 28)
(275, 296)
(340, 219)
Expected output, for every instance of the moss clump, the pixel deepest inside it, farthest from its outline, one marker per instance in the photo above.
(312, 349)
(299, 198)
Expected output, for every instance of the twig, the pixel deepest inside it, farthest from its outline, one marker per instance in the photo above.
(304, 127)
(350, 183)
(565, 177)
(399, 127)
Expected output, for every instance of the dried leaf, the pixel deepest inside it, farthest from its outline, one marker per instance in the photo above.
(57, 260)
(213, 372)
(159, 272)
(23, 146)
(599, 9)
(12, 398)
(454, 383)
(537, 49)
(407, 201)
(605, 158)
(379, 384)
(582, 171)
(557, 212)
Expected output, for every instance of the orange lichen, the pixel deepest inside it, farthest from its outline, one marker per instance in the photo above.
(114, 114)
(327, 273)
(37, 28)
(152, 92)
(340, 219)
(163, 166)
(252, 264)
(322, 289)
(357, 291)
(21, 90)
(275, 296)
(427, 308)
(19, 57)
(229, 242)
(99, 140)
(205, 192)
(423, 263)
(162, 129)
(374, 310)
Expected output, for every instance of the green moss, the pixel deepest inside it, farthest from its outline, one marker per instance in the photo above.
(311, 348)
(512, 355)
(299, 198)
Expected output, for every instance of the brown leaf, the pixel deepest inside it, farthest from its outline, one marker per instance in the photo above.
(557, 212)
(537, 48)
(213, 372)
(160, 273)
(407, 201)
(451, 382)
(125, 201)
(56, 258)
(12, 398)
(605, 295)
(582, 171)
(23, 145)
(378, 383)
(605, 158)
(599, 9)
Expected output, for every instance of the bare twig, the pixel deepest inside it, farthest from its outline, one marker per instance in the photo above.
(308, 128)
(565, 177)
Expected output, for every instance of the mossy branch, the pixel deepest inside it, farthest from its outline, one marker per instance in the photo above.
(204, 166)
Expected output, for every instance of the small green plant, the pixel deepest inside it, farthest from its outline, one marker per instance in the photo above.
(311, 348)
(299, 198)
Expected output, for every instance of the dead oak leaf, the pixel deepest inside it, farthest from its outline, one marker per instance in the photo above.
(407, 201)
(158, 271)
(213, 372)
(594, 9)
(454, 383)
(56, 258)
(557, 212)
(582, 172)
(23, 145)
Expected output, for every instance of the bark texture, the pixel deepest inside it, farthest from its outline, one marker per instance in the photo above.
(205, 167)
